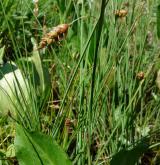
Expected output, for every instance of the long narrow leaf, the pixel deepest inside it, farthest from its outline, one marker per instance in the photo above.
(158, 21)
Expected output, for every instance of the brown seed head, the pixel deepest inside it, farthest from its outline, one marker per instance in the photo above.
(56, 34)
(121, 13)
(68, 122)
(140, 75)
(63, 28)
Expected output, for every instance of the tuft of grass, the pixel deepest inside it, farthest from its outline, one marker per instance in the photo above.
(103, 100)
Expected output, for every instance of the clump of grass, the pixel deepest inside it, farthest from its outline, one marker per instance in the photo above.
(104, 99)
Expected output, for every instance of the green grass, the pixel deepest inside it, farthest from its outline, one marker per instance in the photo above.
(94, 82)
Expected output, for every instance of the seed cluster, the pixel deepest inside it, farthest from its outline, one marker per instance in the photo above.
(57, 33)
(121, 13)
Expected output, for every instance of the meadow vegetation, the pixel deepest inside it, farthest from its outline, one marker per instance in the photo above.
(90, 95)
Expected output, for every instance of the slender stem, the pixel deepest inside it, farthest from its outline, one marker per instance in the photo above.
(58, 122)
(98, 37)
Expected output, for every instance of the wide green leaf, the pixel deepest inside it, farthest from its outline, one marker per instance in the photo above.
(12, 82)
(129, 157)
(39, 74)
(36, 148)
